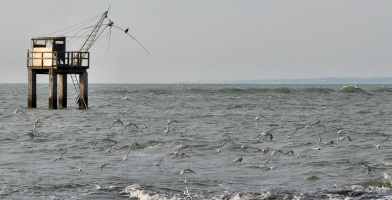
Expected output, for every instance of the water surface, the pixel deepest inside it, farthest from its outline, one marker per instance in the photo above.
(206, 115)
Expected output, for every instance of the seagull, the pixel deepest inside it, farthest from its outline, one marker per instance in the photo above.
(298, 154)
(126, 96)
(338, 139)
(168, 126)
(114, 146)
(221, 147)
(117, 121)
(35, 124)
(145, 125)
(245, 146)
(101, 168)
(238, 160)
(379, 145)
(129, 124)
(264, 151)
(337, 136)
(18, 111)
(307, 126)
(341, 138)
(186, 171)
(135, 144)
(270, 168)
(92, 146)
(231, 139)
(181, 147)
(58, 158)
(318, 147)
(262, 165)
(179, 154)
(291, 135)
(270, 159)
(171, 121)
(369, 169)
(329, 142)
(126, 156)
(159, 162)
(267, 133)
(182, 133)
(272, 154)
(168, 129)
(31, 134)
(257, 119)
(186, 192)
(345, 137)
(286, 152)
(248, 147)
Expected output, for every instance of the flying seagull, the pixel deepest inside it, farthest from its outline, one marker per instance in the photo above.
(58, 158)
(369, 169)
(379, 145)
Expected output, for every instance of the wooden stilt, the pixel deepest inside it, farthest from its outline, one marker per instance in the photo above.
(83, 91)
(62, 90)
(32, 93)
(53, 89)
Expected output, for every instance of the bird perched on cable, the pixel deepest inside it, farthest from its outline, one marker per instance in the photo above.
(126, 30)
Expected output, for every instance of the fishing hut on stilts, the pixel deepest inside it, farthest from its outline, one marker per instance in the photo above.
(50, 56)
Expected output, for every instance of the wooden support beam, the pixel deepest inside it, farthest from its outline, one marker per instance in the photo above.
(32, 91)
(62, 90)
(53, 89)
(83, 91)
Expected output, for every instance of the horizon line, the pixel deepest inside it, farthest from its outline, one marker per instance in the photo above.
(328, 80)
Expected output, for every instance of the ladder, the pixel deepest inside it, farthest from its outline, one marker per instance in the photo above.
(76, 85)
(85, 47)
(92, 37)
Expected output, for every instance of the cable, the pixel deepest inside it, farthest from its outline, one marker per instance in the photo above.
(132, 38)
(84, 22)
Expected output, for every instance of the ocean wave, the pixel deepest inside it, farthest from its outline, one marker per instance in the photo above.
(284, 90)
(382, 89)
(352, 89)
(136, 191)
(230, 90)
(318, 90)
(357, 191)
(240, 90)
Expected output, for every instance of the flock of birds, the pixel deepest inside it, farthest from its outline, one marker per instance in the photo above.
(268, 135)
(339, 136)
(178, 153)
(124, 126)
(317, 147)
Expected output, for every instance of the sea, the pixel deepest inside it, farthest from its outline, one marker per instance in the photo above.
(199, 141)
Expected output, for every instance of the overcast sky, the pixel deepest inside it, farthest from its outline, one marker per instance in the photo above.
(211, 40)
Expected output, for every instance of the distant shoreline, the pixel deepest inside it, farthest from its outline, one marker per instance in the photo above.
(316, 81)
(322, 81)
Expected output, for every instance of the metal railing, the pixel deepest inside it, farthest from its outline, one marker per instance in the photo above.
(48, 59)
